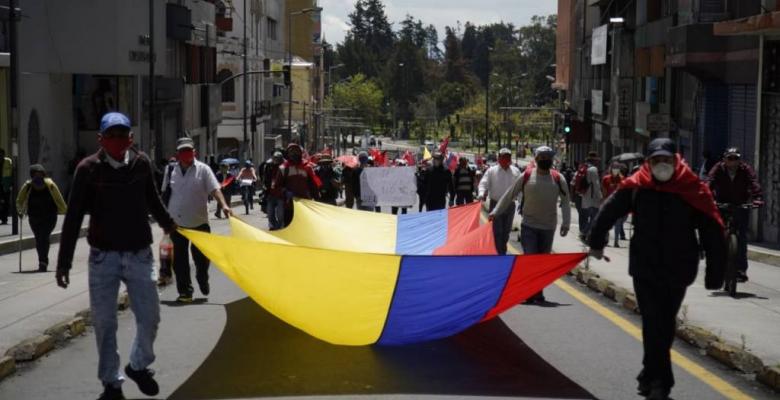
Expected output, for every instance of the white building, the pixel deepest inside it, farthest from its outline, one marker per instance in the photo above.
(265, 93)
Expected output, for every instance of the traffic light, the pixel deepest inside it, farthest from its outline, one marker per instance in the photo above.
(567, 124)
(287, 78)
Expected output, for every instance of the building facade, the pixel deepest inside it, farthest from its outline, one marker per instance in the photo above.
(695, 71)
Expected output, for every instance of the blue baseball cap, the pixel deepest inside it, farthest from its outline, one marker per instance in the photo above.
(113, 119)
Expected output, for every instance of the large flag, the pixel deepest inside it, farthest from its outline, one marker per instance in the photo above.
(444, 144)
(368, 295)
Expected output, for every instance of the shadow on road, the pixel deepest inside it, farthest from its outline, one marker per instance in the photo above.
(259, 355)
(174, 303)
(739, 295)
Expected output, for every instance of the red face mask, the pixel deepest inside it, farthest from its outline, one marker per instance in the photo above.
(116, 146)
(187, 156)
(504, 162)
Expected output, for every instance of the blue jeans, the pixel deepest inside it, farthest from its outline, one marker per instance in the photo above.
(106, 270)
(536, 241)
(619, 231)
(275, 213)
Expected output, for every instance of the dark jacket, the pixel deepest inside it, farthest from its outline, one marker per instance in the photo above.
(438, 183)
(741, 190)
(664, 247)
(118, 201)
(467, 174)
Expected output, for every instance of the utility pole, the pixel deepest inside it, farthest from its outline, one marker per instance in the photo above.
(152, 119)
(245, 96)
(487, 108)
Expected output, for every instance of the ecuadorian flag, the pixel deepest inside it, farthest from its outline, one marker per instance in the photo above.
(359, 278)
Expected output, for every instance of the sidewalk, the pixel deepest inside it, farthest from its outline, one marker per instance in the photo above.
(751, 321)
(9, 243)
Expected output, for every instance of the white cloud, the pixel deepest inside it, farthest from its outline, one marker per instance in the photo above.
(433, 12)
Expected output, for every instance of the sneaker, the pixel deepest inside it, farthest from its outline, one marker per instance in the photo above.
(144, 379)
(184, 298)
(111, 393)
(164, 281)
(742, 277)
(617, 244)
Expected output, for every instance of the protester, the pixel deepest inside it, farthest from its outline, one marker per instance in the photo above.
(227, 182)
(707, 163)
(609, 184)
(463, 180)
(734, 182)
(40, 199)
(541, 187)
(246, 181)
(587, 184)
(671, 208)
(116, 187)
(191, 183)
(421, 177)
(295, 178)
(498, 180)
(274, 195)
(347, 178)
(331, 180)
(438, 185)
(362, 164)
(6, 182)
(404, 210)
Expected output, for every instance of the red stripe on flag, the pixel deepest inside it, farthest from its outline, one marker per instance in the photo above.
(532, 273)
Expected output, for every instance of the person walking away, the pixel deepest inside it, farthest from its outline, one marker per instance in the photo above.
(733, 181)
(246, 180)
(6, 182)
(331, 181)
(587, 184)
(438, 185)
(295, 178)
(40, 199)
(541, 188)
(609, 184)
(463, 179)
(227, 185)
(347, 174)
(116, 187)
(191, 183)
(274, 196)
(675, 217)
(498, 180)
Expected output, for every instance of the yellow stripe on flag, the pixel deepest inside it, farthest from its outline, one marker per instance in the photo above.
(427, 154)
(339, 297)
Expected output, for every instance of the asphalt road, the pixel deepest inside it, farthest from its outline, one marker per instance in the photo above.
(228, 347)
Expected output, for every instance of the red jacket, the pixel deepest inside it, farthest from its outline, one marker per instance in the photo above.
(609, 184)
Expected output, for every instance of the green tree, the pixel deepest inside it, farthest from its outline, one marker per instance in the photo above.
(369, 41)
(361, 95)
(537, 46)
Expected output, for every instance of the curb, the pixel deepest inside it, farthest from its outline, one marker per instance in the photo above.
(731, 355)
(763, 257)
(28, 242)
(55, 336)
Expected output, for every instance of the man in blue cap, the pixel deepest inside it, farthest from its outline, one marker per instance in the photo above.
(116, 187)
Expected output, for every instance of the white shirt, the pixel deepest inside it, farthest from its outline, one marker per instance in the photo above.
(497, 181)
(190, 194)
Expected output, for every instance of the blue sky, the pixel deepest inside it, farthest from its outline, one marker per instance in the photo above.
(438, 12)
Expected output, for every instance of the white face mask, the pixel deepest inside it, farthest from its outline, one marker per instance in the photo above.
(615, 172)
(663, 171)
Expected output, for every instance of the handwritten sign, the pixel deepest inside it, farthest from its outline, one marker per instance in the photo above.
(388, 186)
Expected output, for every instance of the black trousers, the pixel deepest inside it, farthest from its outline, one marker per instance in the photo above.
(181, 262)
(42, 226)
(5, 204)
(658, 304)
(466, 197)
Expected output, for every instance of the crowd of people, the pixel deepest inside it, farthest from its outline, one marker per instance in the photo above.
(673, 211)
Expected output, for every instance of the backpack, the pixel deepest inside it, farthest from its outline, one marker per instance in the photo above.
(527, 176)
(581, 183)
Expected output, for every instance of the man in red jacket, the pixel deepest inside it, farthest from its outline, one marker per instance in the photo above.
(733, 181)
(295, 178)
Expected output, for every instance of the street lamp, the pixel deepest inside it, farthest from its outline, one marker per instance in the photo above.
(289, 58)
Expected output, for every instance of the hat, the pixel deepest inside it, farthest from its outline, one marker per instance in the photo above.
(592, 155)
(543, 150)
(661, 147)
(113, 119)
(732, 151)
(184, 143)
(325, 159)
(248, 162)
(37, 168)
(504, 151)
(278, 154)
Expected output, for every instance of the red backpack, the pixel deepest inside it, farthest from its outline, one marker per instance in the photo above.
(580, 183)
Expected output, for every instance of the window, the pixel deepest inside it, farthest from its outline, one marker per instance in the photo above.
(272, 28)
(95, 95)
(229, 88)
